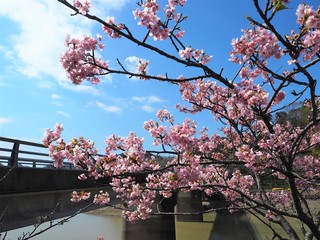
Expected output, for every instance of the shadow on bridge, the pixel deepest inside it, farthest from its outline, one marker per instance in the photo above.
(24, 209)
(31, 187)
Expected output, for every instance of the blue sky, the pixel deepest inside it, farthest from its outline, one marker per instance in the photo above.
(35, 93)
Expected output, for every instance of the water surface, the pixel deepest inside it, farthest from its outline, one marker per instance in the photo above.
(81, 227)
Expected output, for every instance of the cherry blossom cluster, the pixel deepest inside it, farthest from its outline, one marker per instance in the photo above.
(187, 171)
(54, 151)
(255, 42)
(54, 135)
(199, 55)
(79, 196)
(237, 103)
(82, 153)
(82, 5)
(307, 41)
(281, 199)
(77, 151)
(102, 198)
(165, 115)
(79, 61)
(307, 16)
(142, 67)
(109, 31)
(309, 19)
(253, 50)
(308, 166)
(135, 197)
(251, 146)
(148, 17)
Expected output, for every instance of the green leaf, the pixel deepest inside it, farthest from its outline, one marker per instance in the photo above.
(278, 6)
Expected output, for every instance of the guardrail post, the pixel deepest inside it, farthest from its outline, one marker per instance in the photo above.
(14, 154)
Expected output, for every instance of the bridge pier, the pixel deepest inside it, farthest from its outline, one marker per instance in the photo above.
(13, 162)
(157, 227)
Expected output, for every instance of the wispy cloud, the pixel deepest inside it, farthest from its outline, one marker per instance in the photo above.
(4, 120)
(55, 96)
(43, 31)
(138, 99)
(148, 102)
(43, 28)
(147, 108)
(108, 108)
(154, 99)
(2, 83)
(131, 63)
(67, 115)
(150, 99)
(56, 100)
(45, 84)
(79, 88)
(117, 105)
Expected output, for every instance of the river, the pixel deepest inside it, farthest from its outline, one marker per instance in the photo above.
(81, 227)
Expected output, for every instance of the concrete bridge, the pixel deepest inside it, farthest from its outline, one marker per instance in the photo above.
(31, 187)
(27, 167)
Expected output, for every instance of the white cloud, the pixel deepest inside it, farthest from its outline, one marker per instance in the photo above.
(150, 99)
(45, 84)
(148, 102)
(107, 108)
(80, 88)
(131, 63)
(138, 99)
(2, 83)
(67, 115)
(4, 120)
(55, 96)
(154, 99)
(42, 26)
(147, 108)
(6, 52)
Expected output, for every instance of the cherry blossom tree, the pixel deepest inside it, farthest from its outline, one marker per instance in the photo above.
(252, 146)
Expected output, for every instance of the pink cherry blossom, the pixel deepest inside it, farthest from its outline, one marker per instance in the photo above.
(79, 61)
(307, 16)
(78, 196)
(82, 5)
(255, 41)
(186, 53)
(180, 34)
(275, 72)
(109, 31)
(142, 67)
(102, 198)
(199, 55)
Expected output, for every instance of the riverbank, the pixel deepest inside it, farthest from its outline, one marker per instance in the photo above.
(106, 211)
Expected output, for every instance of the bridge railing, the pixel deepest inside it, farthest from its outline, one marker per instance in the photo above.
(19, 153)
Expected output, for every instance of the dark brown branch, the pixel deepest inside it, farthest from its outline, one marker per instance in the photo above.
(206, 69)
